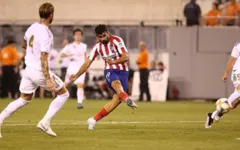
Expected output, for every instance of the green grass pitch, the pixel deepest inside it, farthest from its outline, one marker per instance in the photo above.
(153, 126)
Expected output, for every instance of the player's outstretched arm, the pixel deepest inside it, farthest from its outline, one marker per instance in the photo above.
(122, 59)
(230, 65)
(229, 68)
(63, 55)
(83, 69)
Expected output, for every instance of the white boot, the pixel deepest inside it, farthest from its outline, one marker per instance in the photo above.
(45, 127)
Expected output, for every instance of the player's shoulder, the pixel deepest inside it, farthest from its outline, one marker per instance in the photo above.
(83, 44)
(96, 45)
(38, 27)
(69, 45)
(117, 38)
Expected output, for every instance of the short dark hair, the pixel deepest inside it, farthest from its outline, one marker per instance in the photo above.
(100, 29)
(77, 30)
(45, 10)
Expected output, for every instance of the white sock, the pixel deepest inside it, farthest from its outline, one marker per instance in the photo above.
(215, 113)
(233, 97)
(80, 95)
(55, 106)
(12, 107)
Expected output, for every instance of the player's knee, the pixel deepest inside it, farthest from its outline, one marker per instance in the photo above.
(64, 95)
(115, 84)
(27, 97)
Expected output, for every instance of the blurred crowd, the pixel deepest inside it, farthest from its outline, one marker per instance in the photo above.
(222, 13)
(12, 67)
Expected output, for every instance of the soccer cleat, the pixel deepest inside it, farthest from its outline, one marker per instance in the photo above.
(79, 106)
(209, 121)
(91, 123)
(45, 127)
(131, 104)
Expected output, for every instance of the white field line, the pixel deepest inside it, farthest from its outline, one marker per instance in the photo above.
(14, 123)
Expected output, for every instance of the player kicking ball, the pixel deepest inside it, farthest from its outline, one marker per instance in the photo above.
(37, 45)
(114, 53)
(233, 66)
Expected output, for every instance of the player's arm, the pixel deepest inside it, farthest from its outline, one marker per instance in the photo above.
(65, 52)
(44, 64)
(63, 55)
(231, 61)
(87, 63)
(122, 50)
(124, 58)
(230, 65)
(84, 67)
(24, 47)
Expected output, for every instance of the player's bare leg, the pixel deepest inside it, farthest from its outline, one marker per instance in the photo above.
(23, 100)
(233, 101)
(80, 95)
(117, 86)
(108, 108)
(55, 106)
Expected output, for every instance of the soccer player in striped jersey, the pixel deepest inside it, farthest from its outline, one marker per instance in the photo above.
(113, 51)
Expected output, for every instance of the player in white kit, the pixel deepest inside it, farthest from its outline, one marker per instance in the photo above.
(76, 51)
(233, 67)
(37, 45)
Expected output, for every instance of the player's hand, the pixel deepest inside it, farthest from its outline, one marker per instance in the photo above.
(224, 77)
(50, 84)
(73, 77)
(110, 61)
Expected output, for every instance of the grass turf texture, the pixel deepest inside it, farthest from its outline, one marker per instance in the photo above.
(170, 125)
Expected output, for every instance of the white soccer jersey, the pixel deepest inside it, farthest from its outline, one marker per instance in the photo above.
(78, 50)
(236, 53)
(39, 39)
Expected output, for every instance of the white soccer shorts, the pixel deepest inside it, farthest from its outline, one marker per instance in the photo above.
(71, 71)
(33, 78)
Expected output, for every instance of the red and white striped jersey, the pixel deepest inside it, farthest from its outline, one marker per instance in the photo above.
(113, 49)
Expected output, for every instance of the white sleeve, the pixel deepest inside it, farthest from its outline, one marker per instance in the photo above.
(236, 51)
(65, 50)
(45, 41)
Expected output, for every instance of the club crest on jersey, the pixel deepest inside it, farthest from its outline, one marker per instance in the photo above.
(120, 45)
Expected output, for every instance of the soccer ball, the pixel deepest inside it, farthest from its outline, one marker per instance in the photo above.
(222, 105)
